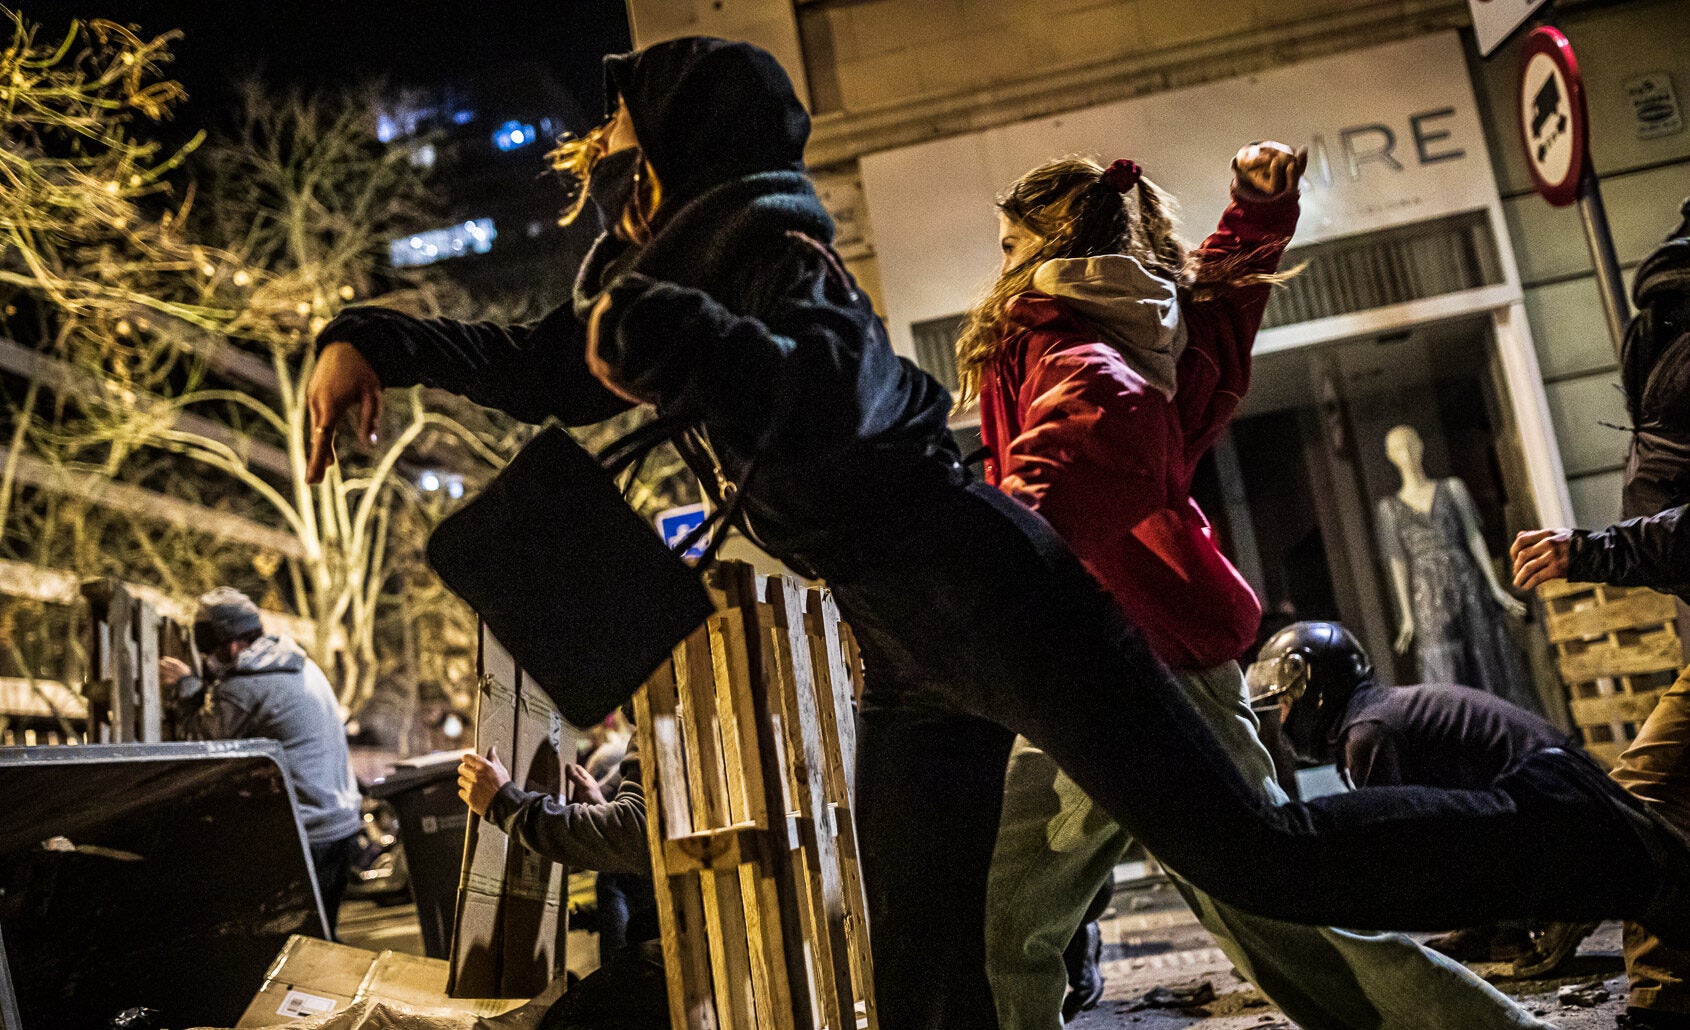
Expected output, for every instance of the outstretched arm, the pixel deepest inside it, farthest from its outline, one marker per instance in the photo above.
(608, 836)
(1228, 301)
(1642, 552)
(532, 372)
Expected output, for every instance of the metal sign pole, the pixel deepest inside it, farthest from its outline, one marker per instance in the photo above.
(1616, 307)
(1555, 131)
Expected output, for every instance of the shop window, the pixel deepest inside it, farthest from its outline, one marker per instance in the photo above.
(1394, 266)
(935, 348)
(1361, 464)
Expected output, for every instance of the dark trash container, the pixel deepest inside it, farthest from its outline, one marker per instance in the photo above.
(424, 791)
(163, 877)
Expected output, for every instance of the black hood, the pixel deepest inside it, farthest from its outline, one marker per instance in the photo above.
(708, 111)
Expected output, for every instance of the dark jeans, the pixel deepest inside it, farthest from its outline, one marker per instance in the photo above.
(620, 899)
(333, 864)
(978, 624)
(627, 993)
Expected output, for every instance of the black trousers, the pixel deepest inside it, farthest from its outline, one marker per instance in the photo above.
(977, 624)
(332, 861)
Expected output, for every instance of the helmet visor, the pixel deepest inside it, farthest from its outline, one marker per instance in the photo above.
(1271, 679)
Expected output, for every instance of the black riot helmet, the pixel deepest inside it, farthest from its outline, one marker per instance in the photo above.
(1316, 667)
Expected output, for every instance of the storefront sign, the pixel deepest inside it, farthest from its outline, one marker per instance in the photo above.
(1495, 20)
(1654, 104)
(1553, 123)
(1393, 133)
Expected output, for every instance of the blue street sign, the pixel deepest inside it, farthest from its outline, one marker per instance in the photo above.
(674, 524)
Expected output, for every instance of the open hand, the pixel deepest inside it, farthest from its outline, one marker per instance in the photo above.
(1541, 555)
(480, 778)
(581, 788)
(341, 379)
(1405, 637)
(1269, 169)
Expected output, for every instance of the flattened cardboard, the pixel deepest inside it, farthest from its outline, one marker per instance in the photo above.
(308, 978)
(509, 935)
(535, 921)
(312, 977)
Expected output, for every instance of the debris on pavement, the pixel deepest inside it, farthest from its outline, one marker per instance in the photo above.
(1185, 996)
(1584, 996)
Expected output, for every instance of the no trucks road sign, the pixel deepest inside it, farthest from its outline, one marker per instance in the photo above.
(1553, 124)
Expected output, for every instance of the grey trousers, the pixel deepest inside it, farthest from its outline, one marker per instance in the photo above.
(1055, 849)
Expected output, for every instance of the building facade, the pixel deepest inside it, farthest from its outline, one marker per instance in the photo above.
(1438, 290)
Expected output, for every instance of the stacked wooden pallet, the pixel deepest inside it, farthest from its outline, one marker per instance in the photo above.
(748, 738)
(1618, 649)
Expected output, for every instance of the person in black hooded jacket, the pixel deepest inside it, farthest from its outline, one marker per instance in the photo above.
(1651, 548)
(719, 299)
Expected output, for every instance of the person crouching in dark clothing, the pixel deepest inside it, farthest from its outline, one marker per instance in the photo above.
(628, 992)
(1321, 683)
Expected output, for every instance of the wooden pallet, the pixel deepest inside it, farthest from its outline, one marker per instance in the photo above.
(1618, 649)
(127, 636)
(748, 738)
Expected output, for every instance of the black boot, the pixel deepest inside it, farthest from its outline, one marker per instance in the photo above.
(1083, 957)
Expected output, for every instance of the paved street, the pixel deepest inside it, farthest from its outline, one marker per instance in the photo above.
(1150, 940)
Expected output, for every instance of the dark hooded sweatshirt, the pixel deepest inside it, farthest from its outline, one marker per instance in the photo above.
(1652, 547)
(736, 313)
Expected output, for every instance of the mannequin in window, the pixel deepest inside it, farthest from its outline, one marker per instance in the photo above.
(1448, 595)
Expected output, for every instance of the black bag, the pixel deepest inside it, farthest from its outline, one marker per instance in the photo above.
(576, 586)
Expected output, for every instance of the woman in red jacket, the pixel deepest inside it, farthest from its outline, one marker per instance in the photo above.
(1107, 361)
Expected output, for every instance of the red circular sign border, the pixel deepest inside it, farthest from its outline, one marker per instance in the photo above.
(1552, 42)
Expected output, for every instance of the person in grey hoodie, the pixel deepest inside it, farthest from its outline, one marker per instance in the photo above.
(257, 685)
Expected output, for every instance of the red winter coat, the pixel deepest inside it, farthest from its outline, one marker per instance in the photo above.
(1076, 416)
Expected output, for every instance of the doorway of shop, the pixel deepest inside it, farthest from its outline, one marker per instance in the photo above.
(1299, 486)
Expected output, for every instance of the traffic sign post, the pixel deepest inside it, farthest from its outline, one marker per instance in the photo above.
(1555, 130)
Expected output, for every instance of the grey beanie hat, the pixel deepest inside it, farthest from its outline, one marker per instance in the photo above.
(230, 612)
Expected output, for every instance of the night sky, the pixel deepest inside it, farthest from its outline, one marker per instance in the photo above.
(316, 42)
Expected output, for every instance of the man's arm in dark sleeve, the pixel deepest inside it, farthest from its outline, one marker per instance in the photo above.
(1371, 758)
(609, 838)
(533, 372)
(1642, 552)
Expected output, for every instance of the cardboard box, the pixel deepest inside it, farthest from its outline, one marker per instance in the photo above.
(511, 925)
(312, 977)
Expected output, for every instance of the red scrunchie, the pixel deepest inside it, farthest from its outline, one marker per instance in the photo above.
(1122, 175)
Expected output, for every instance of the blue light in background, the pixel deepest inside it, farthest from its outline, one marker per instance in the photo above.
(472, 237)
(514, 135)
